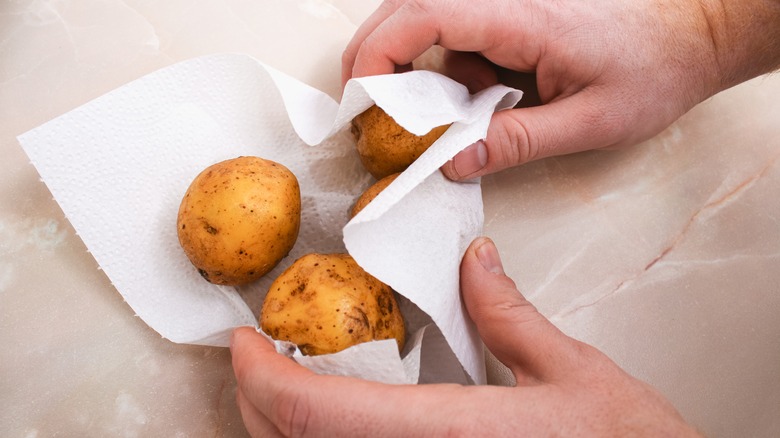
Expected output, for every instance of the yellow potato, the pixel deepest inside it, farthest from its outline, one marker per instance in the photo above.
(239, 218)
(371, 193)
(384, 146)
(325, 303)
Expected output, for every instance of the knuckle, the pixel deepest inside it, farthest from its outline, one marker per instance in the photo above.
(608, 123)
(436, 11)
(390, 7)
(431, 10)
(393, 4)
(512, 143)
(291, 411)
(525, 149)
(520, 310)
(591, 362)
(417, 5)
(525, 317)
(587, 353)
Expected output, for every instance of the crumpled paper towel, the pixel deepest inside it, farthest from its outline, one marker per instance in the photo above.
(119, 166)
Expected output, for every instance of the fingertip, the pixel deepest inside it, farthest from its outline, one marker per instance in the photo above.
(506, 144)
(482, 276)
(467, 163)
(249, 348)
(234, 337)
(261, 372)
(241, 335)
(488, 256)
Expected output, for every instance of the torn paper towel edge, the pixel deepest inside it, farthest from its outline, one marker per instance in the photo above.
(295, 96)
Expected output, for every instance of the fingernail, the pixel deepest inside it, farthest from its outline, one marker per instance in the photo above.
(471, 159)
(487, 254)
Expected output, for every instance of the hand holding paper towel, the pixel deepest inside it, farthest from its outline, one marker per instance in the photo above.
(119, 165)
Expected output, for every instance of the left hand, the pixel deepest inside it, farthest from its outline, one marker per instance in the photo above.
(564, 387)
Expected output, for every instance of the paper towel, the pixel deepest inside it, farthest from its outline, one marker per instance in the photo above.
(119, 166)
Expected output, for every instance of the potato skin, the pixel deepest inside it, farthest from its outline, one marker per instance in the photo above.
(239, 218)
(384, 146)
(325, 303)
(371, 193)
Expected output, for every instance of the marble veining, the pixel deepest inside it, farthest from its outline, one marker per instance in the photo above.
(664, 255)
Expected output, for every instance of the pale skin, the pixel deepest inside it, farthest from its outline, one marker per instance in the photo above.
(564, 387)
(609, 73)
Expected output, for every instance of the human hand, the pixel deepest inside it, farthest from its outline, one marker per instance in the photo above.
(608, 73)
(564, 387)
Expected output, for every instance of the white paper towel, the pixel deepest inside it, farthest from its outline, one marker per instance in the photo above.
(119, 166)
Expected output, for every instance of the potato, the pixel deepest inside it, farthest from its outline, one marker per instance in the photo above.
(371, 193)
(325, 303)
(239, 219)
(384, 146)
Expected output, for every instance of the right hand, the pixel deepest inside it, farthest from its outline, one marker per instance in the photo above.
(609, 73)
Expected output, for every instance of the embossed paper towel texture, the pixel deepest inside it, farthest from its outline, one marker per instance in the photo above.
(119, 165)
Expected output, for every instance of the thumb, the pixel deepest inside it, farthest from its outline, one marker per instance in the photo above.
(572, 124)
(510, 326)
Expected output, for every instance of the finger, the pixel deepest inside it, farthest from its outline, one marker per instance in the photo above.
(384, 10)
(416, 26)
(511, 327)
(576, 123)
(255, 422)
(295, 400)
(299, 402)
(521, 81)
(254, 359)
(398, 40)
(470, 69)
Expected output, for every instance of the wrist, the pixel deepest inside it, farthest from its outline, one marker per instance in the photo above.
(744, 36)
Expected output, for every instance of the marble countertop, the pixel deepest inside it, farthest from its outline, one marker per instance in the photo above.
(664, 255)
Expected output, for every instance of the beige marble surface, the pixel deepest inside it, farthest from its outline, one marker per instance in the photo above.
(664, 255)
